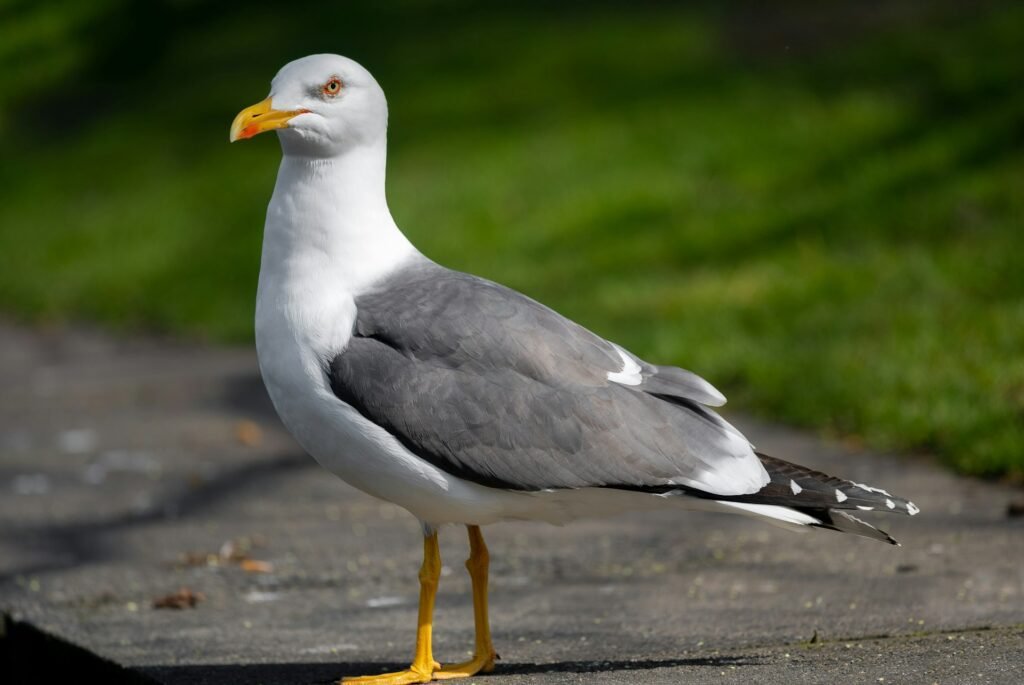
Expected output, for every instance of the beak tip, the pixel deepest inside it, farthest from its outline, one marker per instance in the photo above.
(243, 133)
(259, 118)
(238, 131)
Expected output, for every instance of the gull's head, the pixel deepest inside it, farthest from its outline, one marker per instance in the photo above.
(321, 106)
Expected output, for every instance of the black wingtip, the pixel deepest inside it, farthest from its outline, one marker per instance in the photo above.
(801, 487)
(845, 522)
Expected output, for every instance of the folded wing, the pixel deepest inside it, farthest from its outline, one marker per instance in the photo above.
(497, 389)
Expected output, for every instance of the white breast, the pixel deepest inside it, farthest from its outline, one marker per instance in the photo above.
(305, 312)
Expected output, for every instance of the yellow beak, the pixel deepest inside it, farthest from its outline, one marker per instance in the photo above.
(259, 118)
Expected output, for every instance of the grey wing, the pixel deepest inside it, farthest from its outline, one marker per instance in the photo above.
(492, 387)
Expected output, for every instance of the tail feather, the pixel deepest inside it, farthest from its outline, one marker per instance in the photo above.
(800, 496)
(846, 522)
(799, 486)
(801, 519)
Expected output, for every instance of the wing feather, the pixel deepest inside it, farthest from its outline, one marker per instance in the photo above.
(493, 387)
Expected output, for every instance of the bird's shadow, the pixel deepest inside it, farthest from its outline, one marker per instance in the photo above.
(323, 673)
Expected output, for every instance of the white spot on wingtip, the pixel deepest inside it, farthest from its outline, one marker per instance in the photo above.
(630, 373)
(889, 503)
(864, 508)
(868, 488)
(795, 487)
(840, 496)
(912, 508)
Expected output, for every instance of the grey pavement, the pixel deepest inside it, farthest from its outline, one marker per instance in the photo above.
(131, 468)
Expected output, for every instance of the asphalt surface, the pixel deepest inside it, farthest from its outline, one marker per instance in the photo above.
(132, 469)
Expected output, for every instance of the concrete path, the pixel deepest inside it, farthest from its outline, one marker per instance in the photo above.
(130, 470)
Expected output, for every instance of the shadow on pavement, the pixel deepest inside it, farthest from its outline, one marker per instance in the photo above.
(86, 541)
(317, 674)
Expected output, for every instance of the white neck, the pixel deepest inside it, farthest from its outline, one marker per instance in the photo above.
(328, 223)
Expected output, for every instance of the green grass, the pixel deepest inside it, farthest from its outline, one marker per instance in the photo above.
(820, 210)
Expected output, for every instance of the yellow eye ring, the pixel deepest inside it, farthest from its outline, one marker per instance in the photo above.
(332, 87)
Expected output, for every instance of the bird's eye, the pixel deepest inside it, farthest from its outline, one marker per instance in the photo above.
(332, 87)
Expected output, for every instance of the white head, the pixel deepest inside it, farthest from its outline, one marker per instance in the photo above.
(321, 106)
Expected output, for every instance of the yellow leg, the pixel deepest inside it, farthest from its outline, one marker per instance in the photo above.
(484, 655)
(423, 664)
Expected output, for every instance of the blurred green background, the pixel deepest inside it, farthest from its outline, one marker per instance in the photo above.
(818, 206)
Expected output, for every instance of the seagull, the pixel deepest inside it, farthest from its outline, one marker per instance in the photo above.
(461, 400)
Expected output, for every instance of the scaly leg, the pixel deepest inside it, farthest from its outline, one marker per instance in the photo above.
(423, 665)
(484, 655)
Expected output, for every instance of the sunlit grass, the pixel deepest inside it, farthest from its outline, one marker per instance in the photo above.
(833, 236)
